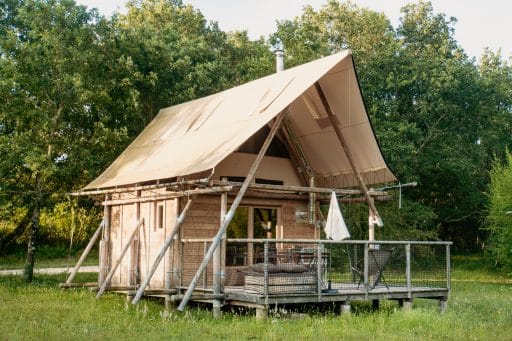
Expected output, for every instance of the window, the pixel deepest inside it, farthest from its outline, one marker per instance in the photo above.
(159, 215)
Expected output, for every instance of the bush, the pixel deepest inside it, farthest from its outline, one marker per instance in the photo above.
(499, 220)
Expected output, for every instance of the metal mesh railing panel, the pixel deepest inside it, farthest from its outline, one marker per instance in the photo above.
(274, 267)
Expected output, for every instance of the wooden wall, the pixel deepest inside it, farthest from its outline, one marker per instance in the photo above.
(182, 260)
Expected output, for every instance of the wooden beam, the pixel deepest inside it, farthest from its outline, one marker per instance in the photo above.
(171, 195)
(297, 165)
(347, 151)
(116, 265)
(383, 198)
(85, 253)
(161, 254)
(137, 188)
(78, 285)
(232, 209)
(295, 151)
(299, 189)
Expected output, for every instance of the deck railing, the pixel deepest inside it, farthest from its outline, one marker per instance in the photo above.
(322, 267)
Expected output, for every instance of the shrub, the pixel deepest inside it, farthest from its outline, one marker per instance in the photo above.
(499, 220)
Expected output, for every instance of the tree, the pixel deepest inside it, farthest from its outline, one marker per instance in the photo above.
(76, 88)
(434, 112)
(51, 117)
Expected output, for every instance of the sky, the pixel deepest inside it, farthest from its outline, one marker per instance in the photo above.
(480, 24)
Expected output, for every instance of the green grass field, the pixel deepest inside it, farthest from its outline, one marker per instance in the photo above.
(480, 308)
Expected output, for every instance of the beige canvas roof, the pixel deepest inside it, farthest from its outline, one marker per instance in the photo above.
(196, 136)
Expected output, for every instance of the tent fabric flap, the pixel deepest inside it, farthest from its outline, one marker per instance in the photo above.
(196, 136)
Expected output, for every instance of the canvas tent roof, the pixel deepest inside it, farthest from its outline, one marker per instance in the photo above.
(196, 136)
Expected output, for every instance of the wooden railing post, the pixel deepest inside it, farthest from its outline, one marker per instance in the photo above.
(448, 268)
(366, 247)
(265, 268)
(319, 261)
(408, 268)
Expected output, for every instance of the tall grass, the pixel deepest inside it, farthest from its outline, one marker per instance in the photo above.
(478, 310)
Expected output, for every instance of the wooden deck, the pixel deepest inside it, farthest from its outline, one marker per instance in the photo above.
(339, 292)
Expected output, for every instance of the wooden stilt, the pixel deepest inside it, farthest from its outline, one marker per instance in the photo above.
(85, 253)
(345, 308)
(443, 305)
(262, 313)
(217, 261)
(407, 304)
(161, 255)
(375, 304)
(232, 209)
(105, 246)
(118, 262)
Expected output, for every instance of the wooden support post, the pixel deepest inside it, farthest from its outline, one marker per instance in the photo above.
(265, 269)
(85, 253)
(448, 268)
(375, 304)
(366, 262)
(219, 257)
(262, 313)
(371, 224)
(408, 269)
(105, 248)
(345, 308)
(312, 201)
(134, 276)
(176, 253)
(232, 210)
(443, 305)
(118, 262)
(161, 254)
(319, 271)
(347, 151)
(407, 304)
(250, 235)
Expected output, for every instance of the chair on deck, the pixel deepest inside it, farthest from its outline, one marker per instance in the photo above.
(377, 261)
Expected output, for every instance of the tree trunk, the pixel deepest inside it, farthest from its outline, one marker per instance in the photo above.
(31, 248)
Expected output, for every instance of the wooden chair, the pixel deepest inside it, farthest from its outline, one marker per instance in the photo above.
(377, 261)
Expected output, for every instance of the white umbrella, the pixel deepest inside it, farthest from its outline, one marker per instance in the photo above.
(335, 227)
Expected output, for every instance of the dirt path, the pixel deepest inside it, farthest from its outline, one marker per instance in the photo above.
(51, 271)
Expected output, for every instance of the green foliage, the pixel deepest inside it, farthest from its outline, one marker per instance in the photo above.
(76, 88)
(438, 116)
(67, 220)
(499, 221)
(413, 221)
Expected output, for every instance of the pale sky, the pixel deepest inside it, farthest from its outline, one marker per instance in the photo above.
(479, 24)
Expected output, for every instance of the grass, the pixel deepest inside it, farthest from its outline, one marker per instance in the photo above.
(45, 258)
(478, 310)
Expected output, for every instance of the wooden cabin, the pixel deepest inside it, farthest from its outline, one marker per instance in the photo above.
(251, 162)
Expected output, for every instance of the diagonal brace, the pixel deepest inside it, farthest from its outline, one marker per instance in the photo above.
(229, 215)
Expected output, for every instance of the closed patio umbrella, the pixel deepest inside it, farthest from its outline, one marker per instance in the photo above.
(335, 227)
